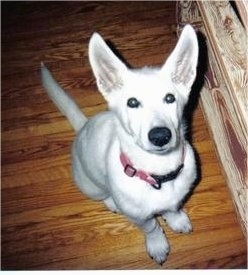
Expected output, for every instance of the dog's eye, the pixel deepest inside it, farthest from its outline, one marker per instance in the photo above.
(169, 98)
(133, 102)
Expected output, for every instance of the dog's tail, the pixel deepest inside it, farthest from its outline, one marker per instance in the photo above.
(62, 100)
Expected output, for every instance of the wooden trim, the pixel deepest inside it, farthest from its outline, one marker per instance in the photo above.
(227, 39)
(242, 7)
(224, 95)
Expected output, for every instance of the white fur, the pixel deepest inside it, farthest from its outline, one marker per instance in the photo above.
(97, 169)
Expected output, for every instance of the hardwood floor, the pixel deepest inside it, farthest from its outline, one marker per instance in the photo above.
(46, 222)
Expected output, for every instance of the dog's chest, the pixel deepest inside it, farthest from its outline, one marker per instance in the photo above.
(137, 197)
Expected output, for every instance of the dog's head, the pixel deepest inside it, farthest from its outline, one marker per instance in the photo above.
(149, 102)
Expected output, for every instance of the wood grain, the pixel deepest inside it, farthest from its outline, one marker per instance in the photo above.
(46, 222)
(242, 8)
(224, 95)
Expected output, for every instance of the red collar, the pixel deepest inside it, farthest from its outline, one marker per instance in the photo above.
(154, 180)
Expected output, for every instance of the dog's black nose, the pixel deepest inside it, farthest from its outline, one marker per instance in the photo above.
(159, 136)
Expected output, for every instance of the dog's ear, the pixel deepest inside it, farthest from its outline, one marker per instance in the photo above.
(182, 62)
(107, 67)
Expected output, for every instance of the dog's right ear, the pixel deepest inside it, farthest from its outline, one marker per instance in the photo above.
(107, 67)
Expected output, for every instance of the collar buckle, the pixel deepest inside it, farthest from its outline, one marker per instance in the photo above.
(130, 170)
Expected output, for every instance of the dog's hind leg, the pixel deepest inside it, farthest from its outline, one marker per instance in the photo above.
(110, 204)
(85, 184)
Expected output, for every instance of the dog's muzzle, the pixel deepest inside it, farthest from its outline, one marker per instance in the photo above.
(159, 136)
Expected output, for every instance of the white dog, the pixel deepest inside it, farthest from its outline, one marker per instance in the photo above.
(134, 157)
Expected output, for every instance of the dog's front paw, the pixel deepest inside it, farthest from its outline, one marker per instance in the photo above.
(178, 221)
(157, 246)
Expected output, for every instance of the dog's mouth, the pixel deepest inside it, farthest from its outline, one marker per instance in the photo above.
(161, 151)
(156, 150)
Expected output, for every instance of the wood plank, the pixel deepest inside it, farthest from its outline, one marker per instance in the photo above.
(242, 7)
(223, 97)
(228, 39)
(46, 222)
(228, 85)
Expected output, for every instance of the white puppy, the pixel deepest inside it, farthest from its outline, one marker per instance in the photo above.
(134, 157)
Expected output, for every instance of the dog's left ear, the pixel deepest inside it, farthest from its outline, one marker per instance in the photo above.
(182, 62)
